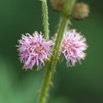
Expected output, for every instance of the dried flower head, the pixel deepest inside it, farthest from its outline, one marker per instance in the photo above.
(80, 11)
(73, 47)
(34, 50)
(57, 5)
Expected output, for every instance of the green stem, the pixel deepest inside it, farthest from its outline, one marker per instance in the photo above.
(45, 19)
(51, 67)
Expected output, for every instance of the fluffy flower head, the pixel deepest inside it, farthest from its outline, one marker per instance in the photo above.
(73, 47)
(34, 50)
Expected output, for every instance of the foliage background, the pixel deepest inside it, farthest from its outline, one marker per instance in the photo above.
(80, 84)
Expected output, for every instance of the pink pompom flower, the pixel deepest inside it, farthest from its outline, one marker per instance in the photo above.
(34, 50)
(73, 46)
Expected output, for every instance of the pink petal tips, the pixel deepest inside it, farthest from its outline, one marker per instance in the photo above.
(34, 50)
(73, 47)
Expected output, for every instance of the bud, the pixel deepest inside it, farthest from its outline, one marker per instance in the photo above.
(57, 5)
(80, 11)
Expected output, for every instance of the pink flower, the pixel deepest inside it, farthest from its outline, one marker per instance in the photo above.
(73, 47)
(34, 50)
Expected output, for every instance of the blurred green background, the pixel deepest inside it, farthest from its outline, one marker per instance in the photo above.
(80, 84)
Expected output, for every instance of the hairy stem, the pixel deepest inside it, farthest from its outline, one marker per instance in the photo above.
(45, 19)
(51, 66)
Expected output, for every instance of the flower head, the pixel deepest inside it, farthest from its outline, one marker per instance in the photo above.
(34, 50)
(73, 47)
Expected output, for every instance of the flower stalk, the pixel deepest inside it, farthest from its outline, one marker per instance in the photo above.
(45, 19)
(52, 64)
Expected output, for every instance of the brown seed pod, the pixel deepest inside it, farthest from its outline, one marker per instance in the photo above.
(57, 5)
(80, 11)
